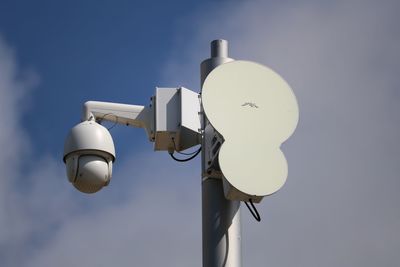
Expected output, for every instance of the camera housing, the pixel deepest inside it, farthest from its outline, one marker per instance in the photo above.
(89, 154)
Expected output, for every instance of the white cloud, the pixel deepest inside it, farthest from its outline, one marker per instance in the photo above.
(159, 225)
(339, 206)
(48, 223)
(30, 197)
(13, 88)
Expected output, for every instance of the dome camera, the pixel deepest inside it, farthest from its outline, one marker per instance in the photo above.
(89, 154)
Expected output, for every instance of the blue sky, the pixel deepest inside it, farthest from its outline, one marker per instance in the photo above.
(339, 206)
(93, 50)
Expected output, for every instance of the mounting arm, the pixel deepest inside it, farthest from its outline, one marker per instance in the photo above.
(171, 120)
(130, 115)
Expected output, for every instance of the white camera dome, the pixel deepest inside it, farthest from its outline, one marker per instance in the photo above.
(89, 135)
(89, 153)
(93, 173)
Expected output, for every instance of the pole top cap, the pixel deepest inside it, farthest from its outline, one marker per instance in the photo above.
(219, 48)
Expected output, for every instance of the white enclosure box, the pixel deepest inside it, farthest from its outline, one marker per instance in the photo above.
(177, 119)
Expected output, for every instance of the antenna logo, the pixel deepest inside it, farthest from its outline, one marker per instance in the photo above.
(252, 105)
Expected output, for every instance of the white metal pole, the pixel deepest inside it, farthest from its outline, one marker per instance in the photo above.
(221, 217)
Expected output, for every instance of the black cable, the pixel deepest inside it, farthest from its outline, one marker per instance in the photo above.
(255, 215)
(187, 159)
(186, 154)
(182, 153)
(100, 120)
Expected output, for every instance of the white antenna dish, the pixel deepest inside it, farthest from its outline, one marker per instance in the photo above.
(255, 111)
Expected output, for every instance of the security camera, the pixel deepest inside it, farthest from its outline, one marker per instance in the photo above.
(89, 150)
(89, 154)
